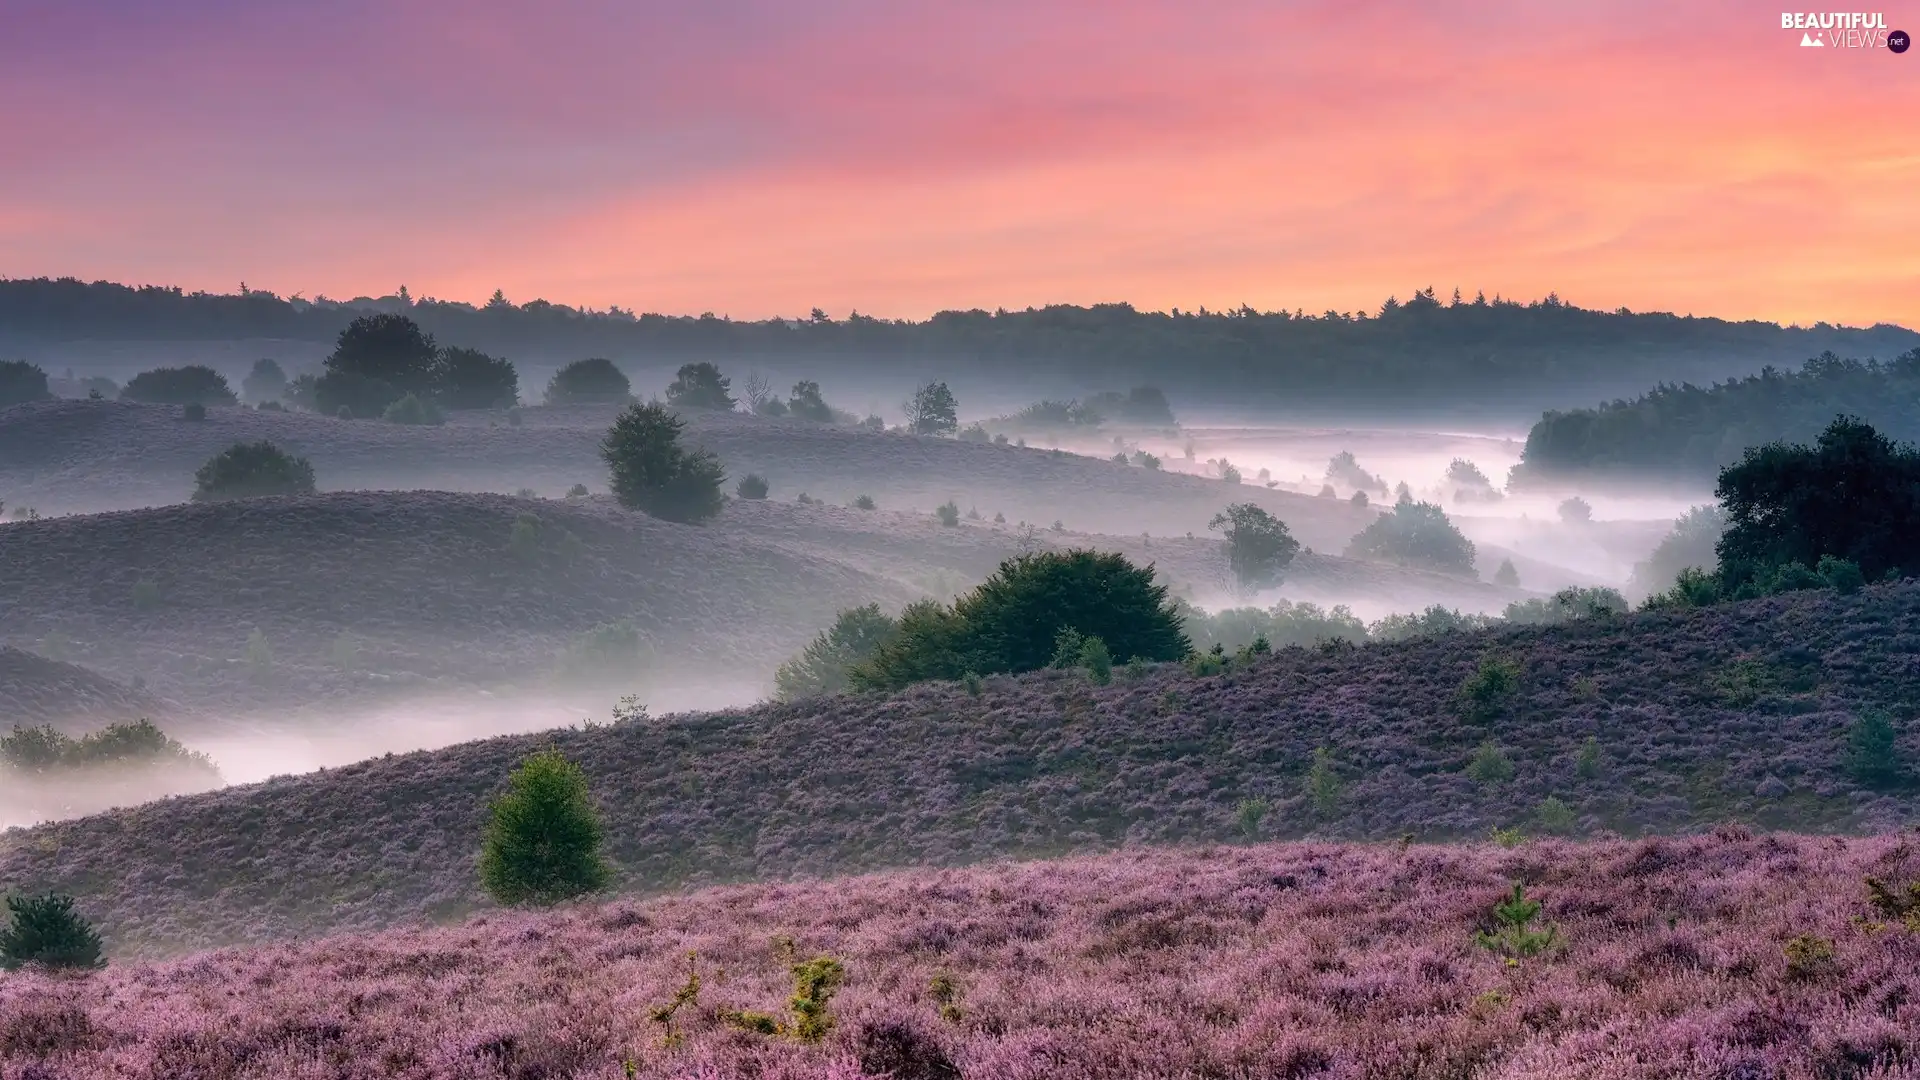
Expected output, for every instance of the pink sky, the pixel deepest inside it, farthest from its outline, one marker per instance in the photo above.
(753, 158)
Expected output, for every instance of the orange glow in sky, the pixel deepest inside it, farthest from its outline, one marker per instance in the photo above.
(754, 159)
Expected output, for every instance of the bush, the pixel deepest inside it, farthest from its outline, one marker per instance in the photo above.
(542, 842)
(1842, 575)
(265, 382)
(1554, 816)
(189, 385)
(593, 381)
(46, 931)
(1513, 936)
(471, 379)
(807, 404)
(98, 387)
(1415, 534)
(1506, 575)
(1146, 461)
(302, 393)
(145, 595)
(1342, 468)
(1259, 547)
(577, 491)
(1011, 622)
(863, 502)
(1323, 784)
(1433, 621)
(1229, 474)
(384, 349)
(700, 386)
(752, 486)
(1490, 764)
(272, 406)
(1566, 606)
(411, 410)
(651, 472)
(1282, 624)
(1144, 405)
(348, 394)
(21, 382)
(948, 513)
(932, 410)
(822, 667)
(1873, 750)
(1359, 499)
(1097, 661)
(1467, 481)
(1485, 693)
(139, 743)
(252, 470)
(193, 413)
(1576, 511)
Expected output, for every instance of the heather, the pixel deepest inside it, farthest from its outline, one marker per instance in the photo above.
(1662, 722)
(1730, 955)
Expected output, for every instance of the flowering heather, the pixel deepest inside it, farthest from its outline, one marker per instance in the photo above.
(1658, 723)
(1729, 956)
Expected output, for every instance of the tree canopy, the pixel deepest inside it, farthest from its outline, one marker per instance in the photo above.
(251, 470)
(652, 472)
(594, 380)
(1416, 534)
(700, 386)
(1259, 547)
(193, 384)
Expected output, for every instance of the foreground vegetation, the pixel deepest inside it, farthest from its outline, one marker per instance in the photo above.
(1730, 955)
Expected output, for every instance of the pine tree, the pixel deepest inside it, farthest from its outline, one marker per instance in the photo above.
(543, 843)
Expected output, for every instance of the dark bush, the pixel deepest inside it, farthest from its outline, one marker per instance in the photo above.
(1259, 547)
(1576, 511)
(1012, 622)
(822, 667)
(948, 514)
(21, 382)
(189, 385)
(1566, 606)
(543, 838)
(593, 381)
(863, 502)
(700, 386)
(251, 470)
(193, 413)
(349, 394)
(1873, 750)
(471, 379)
(752, 486)
(652, 472)
(807, 404)
(1145, 405)
(265, 382)
(1342, 468)
(46, 931)
(1506, 575)
(413, 411)
(1416, 534)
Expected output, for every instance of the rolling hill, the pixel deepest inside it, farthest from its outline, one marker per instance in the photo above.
(1647, 723)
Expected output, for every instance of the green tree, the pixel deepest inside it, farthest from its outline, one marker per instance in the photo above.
(193, 384)
(807, 404)
(1576, 511)
(252, 470)
(1417, 534)
(21, 382)
(46, 930)
(822, 667)
(389, 348)
(752, 487)
(652, 472)
(265, 382)
(1259, 547)
(1506, 575)
(932, 410)
(700, 386)
(543, 837)
(593, 381)
(471, 379)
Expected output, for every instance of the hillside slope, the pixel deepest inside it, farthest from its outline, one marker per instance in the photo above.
(1307, 960)
(82, 456)
(1731, 713)
(37, 690)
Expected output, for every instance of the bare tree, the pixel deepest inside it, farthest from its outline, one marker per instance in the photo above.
(758, 391)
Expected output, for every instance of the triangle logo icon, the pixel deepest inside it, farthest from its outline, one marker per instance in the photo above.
(1809, 41)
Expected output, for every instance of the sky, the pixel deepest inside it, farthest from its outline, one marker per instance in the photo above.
(764, 157)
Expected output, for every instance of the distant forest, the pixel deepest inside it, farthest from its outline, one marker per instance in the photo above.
(1689, 432)
(1421, 353)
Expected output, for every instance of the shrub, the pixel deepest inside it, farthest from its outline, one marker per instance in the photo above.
(932, 410)
(1097, 660)
(1249, 815)
(21, 382)
(651, 472)
(1490, 765)
(863, 502)
(139, 743)
(272, 406)
(752, 486)
(1576, 511)
(1485, 693)
(1693, 587)
(1842, 575)
(1418, 534)
(1467, 481)
(388, 349)
(1327, 492)
(252, 470)
(1513, 935)
(1554, 816)
(949, 514)
(193, 384)
(1359, 499)
(1259, 547)
(46, 931)
(1506, 575)
(1011, 622)
(1344, 469)
(1567, 605)
(347, 394)
(542, 843)
(1873, 749)
(98, 387)
(700, 386)
(593, 381)
(1146, 461)
(1229, 474)
(1145, 405)
(607, 650)
(193, 413)
(1066, 649)
(807, 404)
(1323, 784)
(1809, 956)
(823, 666)
(411, 410)
(815, 982)
(578, 491)
(471, 379)
(146, 595)
(265, 382)
(1586, 764)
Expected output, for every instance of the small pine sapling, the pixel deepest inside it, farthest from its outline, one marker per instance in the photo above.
(45, 930)
(1513, 935)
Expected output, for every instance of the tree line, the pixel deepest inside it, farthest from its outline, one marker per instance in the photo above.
(1405, 350)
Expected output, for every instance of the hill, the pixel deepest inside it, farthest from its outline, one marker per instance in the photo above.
(38, 690)
(1687, 432)
(1672, 958)
(1730, 713)
(1421, 356)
